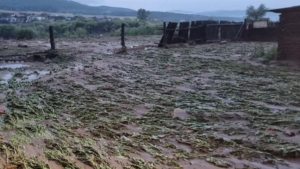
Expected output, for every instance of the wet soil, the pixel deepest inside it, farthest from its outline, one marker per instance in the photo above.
(207, 106)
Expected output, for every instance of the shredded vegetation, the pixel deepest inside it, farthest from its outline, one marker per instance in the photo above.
(124, 115)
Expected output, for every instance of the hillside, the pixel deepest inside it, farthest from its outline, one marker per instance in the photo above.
(63, 6)
(236, 13)
(169, 16)
(68, 6)
(227, 14)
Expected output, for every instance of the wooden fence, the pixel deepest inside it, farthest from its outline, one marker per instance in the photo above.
(206, 31)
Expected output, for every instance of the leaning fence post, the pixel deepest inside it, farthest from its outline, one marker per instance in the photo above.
(246, 28)
(165, 35)
(51, 37)
(123, 35)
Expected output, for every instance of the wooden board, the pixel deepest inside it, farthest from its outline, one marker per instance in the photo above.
(184, 33)
(169, 33)
(161, 43)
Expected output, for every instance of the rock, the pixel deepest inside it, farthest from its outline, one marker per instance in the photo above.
(227, 116)
(5, 47)
(106, 76)
(11, 167)
(52, 54)
(2, 111)
(47, 61)
(126, 139)
(121, 50)
(223, 42)
(22, 46)
(38, 58)
(181, 114)
(270, 131)
(178, 39)
(289, 133)
(192, 43)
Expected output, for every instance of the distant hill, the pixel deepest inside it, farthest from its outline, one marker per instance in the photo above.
(63, 6)
(68, 6)
(170, 16)
(236, 13)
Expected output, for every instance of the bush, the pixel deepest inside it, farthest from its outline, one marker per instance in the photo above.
(81, 32)
(266, 54)
(8, 31)
(271, 54)
(26, 34)
(78, 28)
(259, 51)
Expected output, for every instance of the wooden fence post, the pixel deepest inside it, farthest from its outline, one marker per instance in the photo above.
(165, 35)
(246, 28)
(123, 35)
(51, 37)
(205, 34)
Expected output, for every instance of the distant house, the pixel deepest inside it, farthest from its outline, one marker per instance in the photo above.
(68, 18)
(56, 18)
(18, 18)
(5, 17)
(36, 17)
(101, 18)
(78, 17)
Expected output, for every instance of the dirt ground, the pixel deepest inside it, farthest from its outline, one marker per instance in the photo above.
(190, 106)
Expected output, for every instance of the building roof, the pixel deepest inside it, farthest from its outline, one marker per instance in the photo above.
(5, 14)
(18, 15)
(289, 9)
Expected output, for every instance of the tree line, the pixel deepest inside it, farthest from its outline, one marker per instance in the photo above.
(79, 28)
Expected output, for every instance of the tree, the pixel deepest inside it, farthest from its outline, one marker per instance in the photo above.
(256, 14)
(142, 14)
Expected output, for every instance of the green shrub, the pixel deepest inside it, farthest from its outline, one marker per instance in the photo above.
(271, 54)
(266, 54)
(259, 51)
(26, 33)
(81, 27)
(8, 31)
(81, 32)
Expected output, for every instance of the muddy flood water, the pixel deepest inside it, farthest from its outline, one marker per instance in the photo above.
(190, 106)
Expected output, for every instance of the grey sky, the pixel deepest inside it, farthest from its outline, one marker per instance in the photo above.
(191, 5)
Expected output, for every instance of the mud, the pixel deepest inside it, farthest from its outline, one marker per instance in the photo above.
(206, 106)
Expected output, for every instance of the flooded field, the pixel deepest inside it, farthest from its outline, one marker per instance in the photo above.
(206, 106)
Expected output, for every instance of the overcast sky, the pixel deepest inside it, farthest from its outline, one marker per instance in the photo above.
(190, 5)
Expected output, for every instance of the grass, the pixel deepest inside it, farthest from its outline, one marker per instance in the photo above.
(267, 54)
